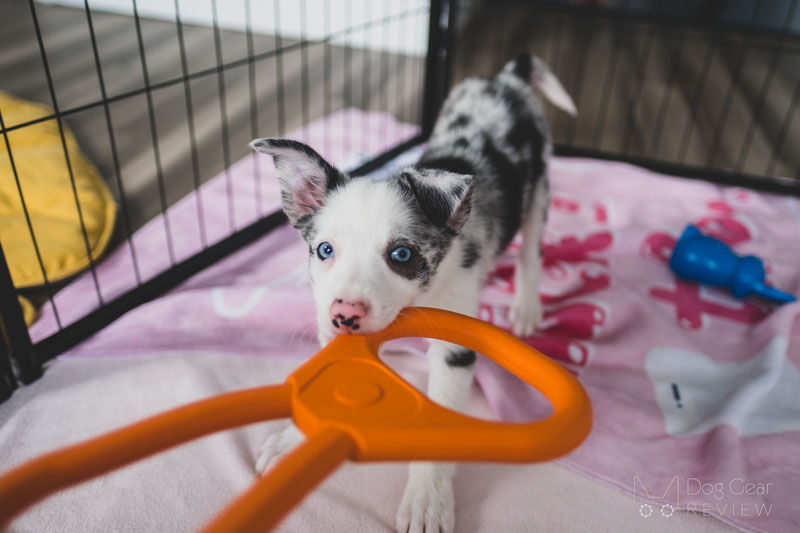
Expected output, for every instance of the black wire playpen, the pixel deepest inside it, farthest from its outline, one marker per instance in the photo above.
(705, 90)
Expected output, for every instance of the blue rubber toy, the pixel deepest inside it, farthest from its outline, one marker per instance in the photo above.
(707, 260)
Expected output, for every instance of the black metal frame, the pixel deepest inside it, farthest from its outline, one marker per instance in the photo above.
(22, 361)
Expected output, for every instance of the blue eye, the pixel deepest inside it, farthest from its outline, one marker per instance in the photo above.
(325, 250)
(401, 254)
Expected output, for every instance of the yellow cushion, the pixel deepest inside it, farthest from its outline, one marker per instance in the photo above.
(49, 197)
(28, 311)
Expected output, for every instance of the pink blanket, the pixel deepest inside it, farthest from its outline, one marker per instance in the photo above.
(695, 394)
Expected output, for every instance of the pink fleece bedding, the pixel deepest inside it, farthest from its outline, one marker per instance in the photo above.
(696, 395)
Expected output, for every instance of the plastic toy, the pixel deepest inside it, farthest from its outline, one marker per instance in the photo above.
(708, 260)
(350, 406)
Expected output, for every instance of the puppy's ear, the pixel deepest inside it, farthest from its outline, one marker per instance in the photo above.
(444, 197)
(304, 176)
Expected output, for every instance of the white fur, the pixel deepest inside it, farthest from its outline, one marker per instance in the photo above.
(526, 307)
(428, 503)
(552, 89)
(357, 221)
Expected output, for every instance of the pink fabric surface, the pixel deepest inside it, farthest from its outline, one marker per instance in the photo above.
(619, 319)
(615, 316)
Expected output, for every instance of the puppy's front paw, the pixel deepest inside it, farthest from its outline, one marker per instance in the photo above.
(525, 314)
(276, 446)
(427, 508)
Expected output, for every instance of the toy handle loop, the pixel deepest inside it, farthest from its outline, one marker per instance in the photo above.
(571, 420)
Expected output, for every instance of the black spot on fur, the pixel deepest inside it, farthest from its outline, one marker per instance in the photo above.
(526, 141)
(350, 321)
(514, 101)
(460, 121)
(455, 164)
(434, 204)
(523, 67)
(305, 225)
(522, 133)
(461, 142)
(510, 181)
(471, 253)
(461, 357)
(438, 206)
(416, 268)
(428, 243)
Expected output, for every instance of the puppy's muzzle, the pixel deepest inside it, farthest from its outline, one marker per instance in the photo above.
(347, 315)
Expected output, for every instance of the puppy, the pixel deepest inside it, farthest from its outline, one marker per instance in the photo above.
(428, 236)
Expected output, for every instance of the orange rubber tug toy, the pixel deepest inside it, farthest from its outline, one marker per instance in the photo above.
(350, 406)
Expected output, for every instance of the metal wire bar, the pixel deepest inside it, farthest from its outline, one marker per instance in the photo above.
(13, 337)
(48, 287)
(223, 117)
(719, 176)
(641, 69)
(784, 131)
(278, 52)
(365, 76)
(631, 12)
(449, 42)
(555, 51)
(126, 219)
(348, 51)
(744, 149)
(661, 117)
(418, 81)
(400, 86)
(65, 149)
(304, 93)
(726, 105)
(251, 74)
(8, 381)
(383, 74)
(683, 150)
(431, 89)
(326, 78)
(466, 47)
(608, 84)
(279, 80)
(187, 92)
(154, 136)
(580, 73)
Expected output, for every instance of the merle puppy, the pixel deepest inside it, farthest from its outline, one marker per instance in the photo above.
(428, 236)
